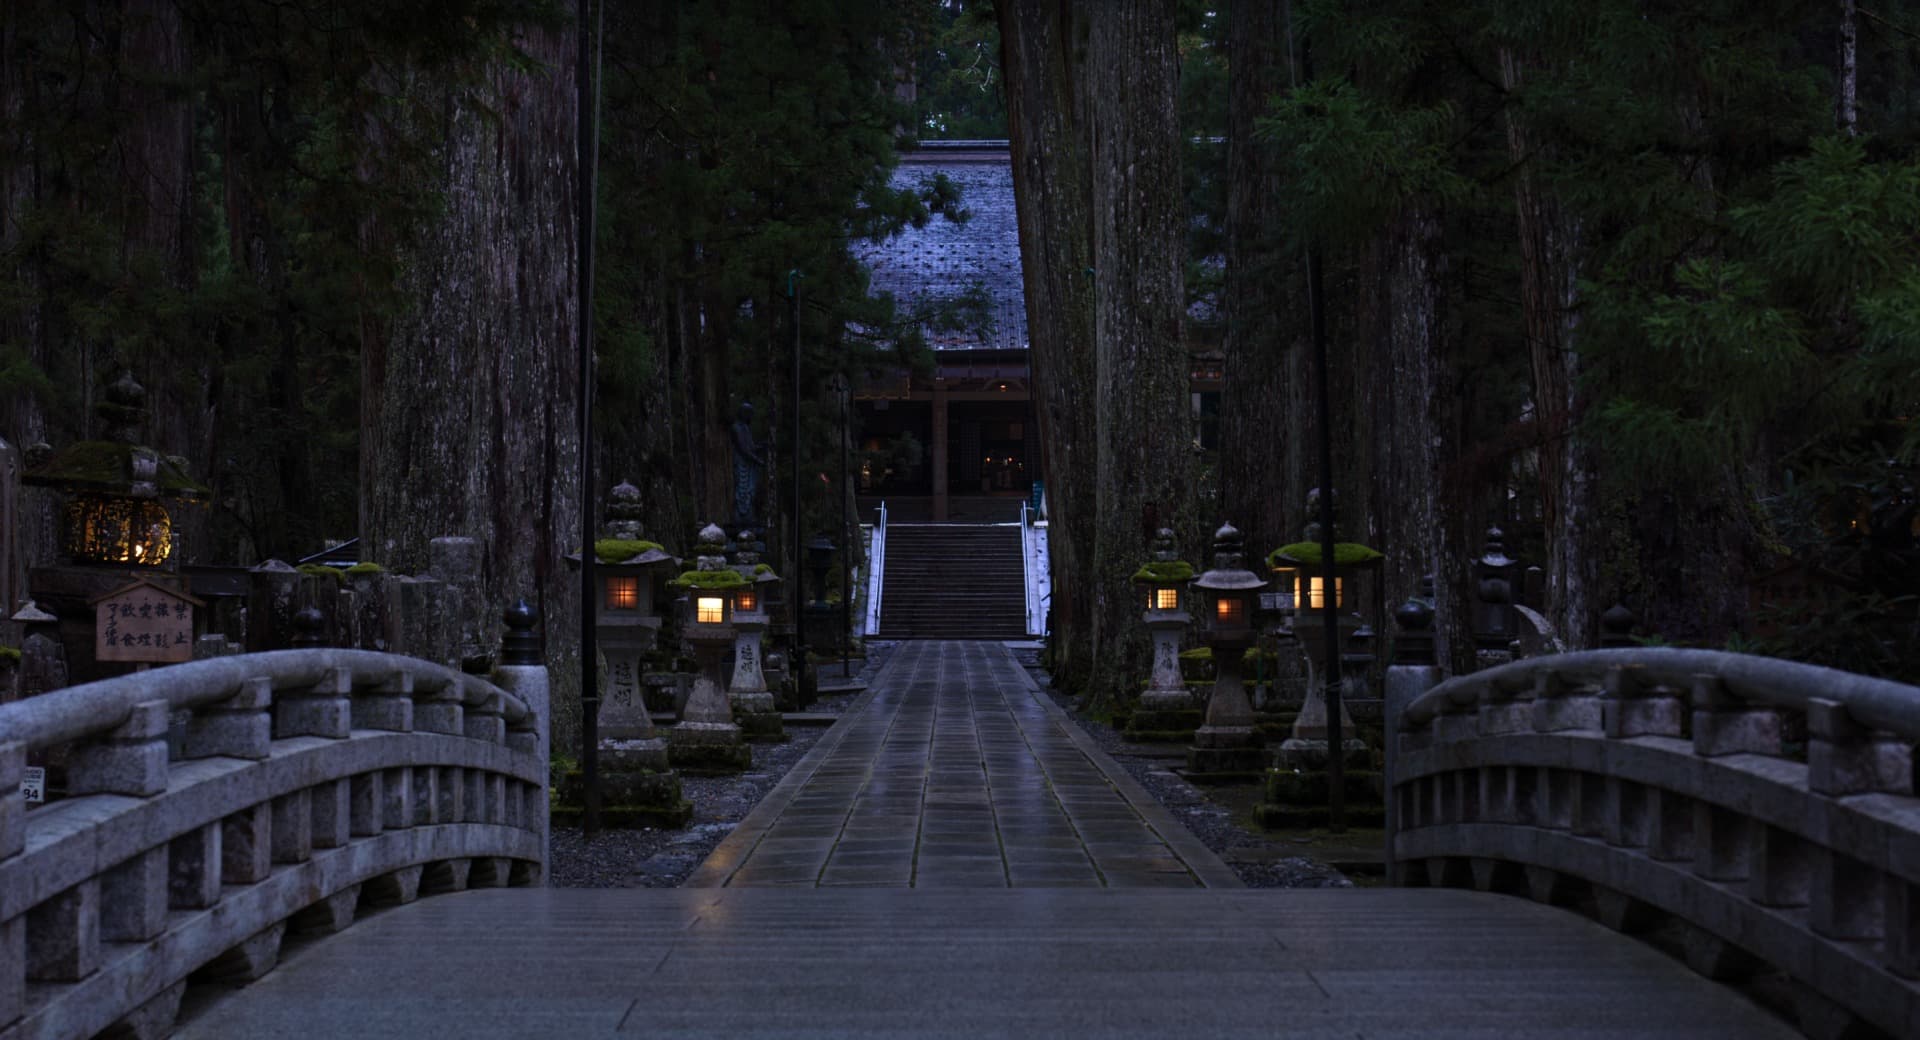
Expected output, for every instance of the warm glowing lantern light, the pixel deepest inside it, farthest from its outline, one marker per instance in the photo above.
(623, 593)
(1166, 598)
(709, 610)
(747, 601)
(1316, 593)
(1230, 610)
(116, 529)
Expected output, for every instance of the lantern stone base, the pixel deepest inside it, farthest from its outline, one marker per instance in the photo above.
(1148, 725)
(760, 727)
(708, 749)
(1225, 752)
(629, 798)
(1162, 699)
(1299, 755)
(1297, 800)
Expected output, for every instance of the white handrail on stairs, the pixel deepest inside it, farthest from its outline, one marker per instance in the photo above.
(876, 570)
(1034, 568)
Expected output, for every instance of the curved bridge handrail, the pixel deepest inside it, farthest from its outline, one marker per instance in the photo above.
(1761, 810)
(1878, 703)
(80, 711)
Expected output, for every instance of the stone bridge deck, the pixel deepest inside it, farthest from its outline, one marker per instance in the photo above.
(957, 772)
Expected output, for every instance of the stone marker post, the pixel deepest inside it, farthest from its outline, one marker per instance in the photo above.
(1412, 673)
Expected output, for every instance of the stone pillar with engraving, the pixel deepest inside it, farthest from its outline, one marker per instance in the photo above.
(753, 703)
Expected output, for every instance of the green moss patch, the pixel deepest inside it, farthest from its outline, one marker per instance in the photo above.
(1344, 554)
(710, 580)
(362, 569)
(1171, 570)
(620, 550)
(322, 571)
(9, 655)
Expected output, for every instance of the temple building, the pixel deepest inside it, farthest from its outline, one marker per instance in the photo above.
(979, 452)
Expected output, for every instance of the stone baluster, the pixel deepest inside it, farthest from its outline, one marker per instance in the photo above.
(130, 759)
(239, 727)
(1851, 899)
(388, 706)
(324, 709)
(1723, 724)
(522, 673)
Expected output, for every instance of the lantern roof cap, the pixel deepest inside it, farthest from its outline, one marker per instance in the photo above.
(115, 468)
(1229, 572)
(1345, 554)
(31, 614)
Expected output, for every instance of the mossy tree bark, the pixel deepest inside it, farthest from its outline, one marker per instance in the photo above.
(1044, 53)
(470, 398)
(1142, 418)
(1264, 451)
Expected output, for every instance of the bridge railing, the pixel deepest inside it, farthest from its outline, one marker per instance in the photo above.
(213, 806)
(1761, 811)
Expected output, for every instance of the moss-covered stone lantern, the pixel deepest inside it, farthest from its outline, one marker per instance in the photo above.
(754, 708)
(1299, 562)
(117, 491)
(625, 621)
(1163, 583)
(1227, 596)
(706, 739)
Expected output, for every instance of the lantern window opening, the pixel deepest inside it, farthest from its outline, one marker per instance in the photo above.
(118, 529)
(623, 592)
(1166, 597)
(1230, 610)
(709, 610)
(748, 601)
(1313, 592)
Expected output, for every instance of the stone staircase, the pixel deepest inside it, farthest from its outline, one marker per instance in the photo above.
(953, 581)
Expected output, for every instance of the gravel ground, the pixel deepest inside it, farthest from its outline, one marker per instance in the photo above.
(652, 858)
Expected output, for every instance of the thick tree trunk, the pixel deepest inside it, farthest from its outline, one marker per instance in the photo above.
(1043, 51)
(1549, 269)
(470, 399)
(1145, 468)
(1422, 499)
(1264, 452)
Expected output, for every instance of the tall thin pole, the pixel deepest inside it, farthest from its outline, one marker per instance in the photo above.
(846, 530)
(587, 102)
(1329, 605)
(798, 566)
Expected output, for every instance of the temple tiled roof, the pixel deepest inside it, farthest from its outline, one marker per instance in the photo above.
(944, 259)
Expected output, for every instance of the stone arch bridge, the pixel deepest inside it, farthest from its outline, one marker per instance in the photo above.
(1754, 817)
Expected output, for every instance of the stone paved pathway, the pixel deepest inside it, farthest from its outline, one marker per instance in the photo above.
(956, 771)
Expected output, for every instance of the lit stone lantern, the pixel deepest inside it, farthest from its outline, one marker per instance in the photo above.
(1227, 597)
(625, 623)
(753, 704)
(707, 740)
(1163, 582)
(119, 523)
(1299, 562)
(116, 490)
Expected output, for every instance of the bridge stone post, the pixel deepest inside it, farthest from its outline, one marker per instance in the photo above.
(1412, 673)
(522, 672)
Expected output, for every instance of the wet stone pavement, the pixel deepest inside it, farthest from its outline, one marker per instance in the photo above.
(956, 771)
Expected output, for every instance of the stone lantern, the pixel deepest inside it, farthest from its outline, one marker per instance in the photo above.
(624, 619)
(1163, 582)
(118, 524)
(1496, 580)
(116, 490)
(1227, 597)
(753, 704)
(706, 740)
(1300, 563)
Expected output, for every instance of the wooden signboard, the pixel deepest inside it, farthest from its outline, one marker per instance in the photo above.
(144, 623)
